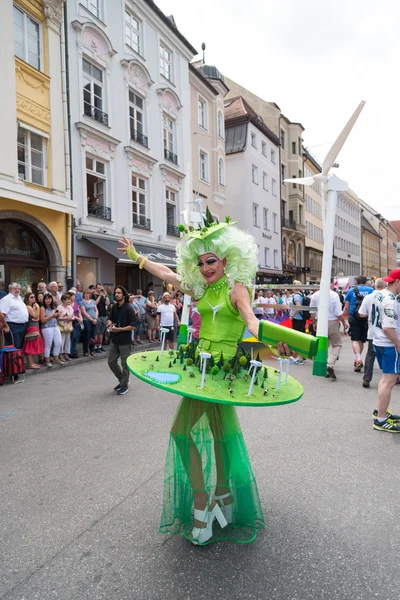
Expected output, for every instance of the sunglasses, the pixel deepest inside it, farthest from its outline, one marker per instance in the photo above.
(31, 296)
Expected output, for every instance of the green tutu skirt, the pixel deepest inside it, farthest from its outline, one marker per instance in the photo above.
(207, 454)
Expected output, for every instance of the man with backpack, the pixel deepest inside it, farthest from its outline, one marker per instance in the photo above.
(358, 325)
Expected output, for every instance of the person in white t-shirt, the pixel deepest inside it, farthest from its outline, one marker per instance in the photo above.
(166, 318)
(385, 331)
(335, 317)
(270, 312)
(259, 310)
(366, 311)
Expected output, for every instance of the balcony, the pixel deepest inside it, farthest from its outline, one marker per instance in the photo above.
(98, 211)
(138, 137)
(173, 230)
(95, 113)
(140, 222)
(291, 224)
(170, 156)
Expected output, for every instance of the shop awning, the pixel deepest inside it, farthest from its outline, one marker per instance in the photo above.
(163, 256)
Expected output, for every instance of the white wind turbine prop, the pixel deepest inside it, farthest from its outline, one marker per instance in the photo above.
(331, 185)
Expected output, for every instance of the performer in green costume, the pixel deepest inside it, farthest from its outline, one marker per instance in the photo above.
(207, 465)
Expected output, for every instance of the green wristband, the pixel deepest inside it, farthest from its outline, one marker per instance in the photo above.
(132, 254)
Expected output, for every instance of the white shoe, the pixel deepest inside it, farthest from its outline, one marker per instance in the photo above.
(200, 535)
(227, 509)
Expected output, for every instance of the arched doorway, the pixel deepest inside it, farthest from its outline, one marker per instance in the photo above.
(29, 252)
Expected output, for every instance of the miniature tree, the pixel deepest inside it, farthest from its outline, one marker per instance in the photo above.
(174, 363)
(170, 365)
(189, 362)
(227, 367)
(171, 353)
(157, 359)
(256, 381)
(184, 367)
(262, 384)
(265, 375)
(214, 371)
(242, 362)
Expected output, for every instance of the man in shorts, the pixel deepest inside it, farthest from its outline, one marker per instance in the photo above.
(385, 330)
(358, 327)
(166, 318)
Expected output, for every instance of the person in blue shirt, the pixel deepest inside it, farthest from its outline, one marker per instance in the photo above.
(358, 327)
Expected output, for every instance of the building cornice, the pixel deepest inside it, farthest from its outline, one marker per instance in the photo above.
(18, 191)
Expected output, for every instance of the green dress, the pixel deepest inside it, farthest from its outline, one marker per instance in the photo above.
(206, 450)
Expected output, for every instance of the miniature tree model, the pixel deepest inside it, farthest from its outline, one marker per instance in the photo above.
(214, 371)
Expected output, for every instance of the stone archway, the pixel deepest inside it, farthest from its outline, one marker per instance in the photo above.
(56, 268)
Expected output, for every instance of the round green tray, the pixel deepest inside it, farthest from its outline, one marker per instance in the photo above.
(215, 389)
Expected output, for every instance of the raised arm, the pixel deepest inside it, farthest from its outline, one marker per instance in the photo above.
(161, 271)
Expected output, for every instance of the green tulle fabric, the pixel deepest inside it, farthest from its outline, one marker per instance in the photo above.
(207, 453)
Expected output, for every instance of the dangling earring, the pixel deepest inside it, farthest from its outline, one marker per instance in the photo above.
(224, 270)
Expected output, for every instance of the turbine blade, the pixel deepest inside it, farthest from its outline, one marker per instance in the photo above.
(338, 144)
(301, 180)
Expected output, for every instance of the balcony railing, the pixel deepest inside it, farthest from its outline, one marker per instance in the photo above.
(140, 222)
(173, 230)
(291, 224)
(96, 113)
(138, 137)
(170, 156)
(101, 212)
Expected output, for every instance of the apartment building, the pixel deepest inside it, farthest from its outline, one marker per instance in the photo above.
(395, 226)
(292, 209)
(347, 243)
(314, 240)
(130, 135)
(35, 203)
(252, 192)
(207, 93)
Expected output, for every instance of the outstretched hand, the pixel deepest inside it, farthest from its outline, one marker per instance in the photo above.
(128, 248)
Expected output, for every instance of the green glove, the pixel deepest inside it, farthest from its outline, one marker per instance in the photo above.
(132, 254)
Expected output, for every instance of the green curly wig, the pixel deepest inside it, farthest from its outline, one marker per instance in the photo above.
(236, 246)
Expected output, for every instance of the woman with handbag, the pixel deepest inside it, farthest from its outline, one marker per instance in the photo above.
(50, 331)
(89, 313)
(151, 317)
(33, 342)
(65, 324)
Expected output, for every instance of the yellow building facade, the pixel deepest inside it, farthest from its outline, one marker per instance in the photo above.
(35, 204)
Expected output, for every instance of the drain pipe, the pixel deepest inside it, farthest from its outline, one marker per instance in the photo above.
(67, 143)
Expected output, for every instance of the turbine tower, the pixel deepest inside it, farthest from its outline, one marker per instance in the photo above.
(331, 186)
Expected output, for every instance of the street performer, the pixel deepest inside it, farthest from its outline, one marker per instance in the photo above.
(207, 463)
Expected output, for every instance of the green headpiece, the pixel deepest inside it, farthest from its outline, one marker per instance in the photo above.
(210, 226)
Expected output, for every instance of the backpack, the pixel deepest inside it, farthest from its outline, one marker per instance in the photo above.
(306, 302)
(357, 306)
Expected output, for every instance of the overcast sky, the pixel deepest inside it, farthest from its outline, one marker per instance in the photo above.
(317, 59)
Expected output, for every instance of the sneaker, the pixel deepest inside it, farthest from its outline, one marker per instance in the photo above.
(102, 349)
(365, 384)
(125, 390)
(390, 415)
(330, 373)
(97, 350)
(117, 388)
(358, 366)
(387, 425)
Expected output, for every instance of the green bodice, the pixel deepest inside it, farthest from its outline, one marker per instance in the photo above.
(222, 326)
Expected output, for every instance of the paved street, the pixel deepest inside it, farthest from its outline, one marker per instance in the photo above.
(81, 481)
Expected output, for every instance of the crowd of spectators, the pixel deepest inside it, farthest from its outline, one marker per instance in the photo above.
(49, 324)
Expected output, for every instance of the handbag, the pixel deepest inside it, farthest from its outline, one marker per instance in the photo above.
(65, 326)
(32, 335)
(94, 341)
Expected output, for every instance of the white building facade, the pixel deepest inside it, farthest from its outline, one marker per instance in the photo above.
(130, 134)
(252, 184)
(347, 243)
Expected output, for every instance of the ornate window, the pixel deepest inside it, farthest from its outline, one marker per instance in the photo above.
(220, 125)
(139, 203)
(221, 171)
(93, 92)
(27, 39)
(31, 151)
(166, 66)
(132, 32)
